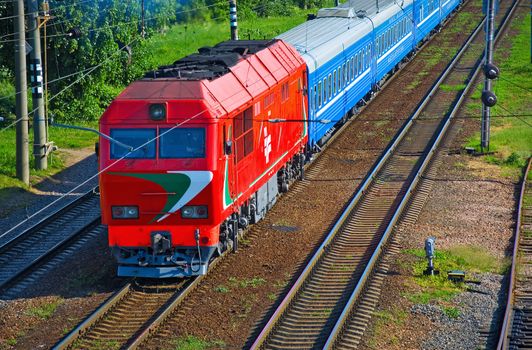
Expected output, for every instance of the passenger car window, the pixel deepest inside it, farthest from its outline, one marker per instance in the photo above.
(134, 138)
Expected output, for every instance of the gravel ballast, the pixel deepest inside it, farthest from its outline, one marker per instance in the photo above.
(475, 306)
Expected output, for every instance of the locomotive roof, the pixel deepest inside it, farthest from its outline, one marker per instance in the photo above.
(251, 69)
(210, 62)
(321, 39)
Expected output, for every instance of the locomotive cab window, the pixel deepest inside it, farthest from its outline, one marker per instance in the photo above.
(134, 138)
(182, 143)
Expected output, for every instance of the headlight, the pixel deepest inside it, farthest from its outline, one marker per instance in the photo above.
(158, 111)
(121, 212)
(194, 212)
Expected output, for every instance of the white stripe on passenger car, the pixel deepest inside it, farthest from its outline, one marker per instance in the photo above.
(394, 47)
(324, 108)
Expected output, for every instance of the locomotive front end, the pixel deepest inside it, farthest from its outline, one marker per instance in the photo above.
(159, 184)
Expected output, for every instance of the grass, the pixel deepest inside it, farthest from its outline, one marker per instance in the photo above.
(464, 22)
(194, 343)
(438, 287)
(44, 311)
(183, 39)
(449, 88)
(245, 283)
(221, 289)
(280, 284)
(451, 312)
(63, 138)
(11, 341)
(383, 320)
(511, 137)
(178, 41)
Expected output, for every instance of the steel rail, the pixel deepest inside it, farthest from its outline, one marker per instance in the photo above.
(45, 221)
(149, 328)
(70, 338)
(107, 305)
(59, 246)
(355, 200)
(378, 252)
(35, 256)
(163, 314)
(503, 335)
(380, 248)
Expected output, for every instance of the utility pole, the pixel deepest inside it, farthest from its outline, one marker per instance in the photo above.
(337, 3)
(36, 77)
(491, 72)
(143, 29)
(23, 170)
(233, 19)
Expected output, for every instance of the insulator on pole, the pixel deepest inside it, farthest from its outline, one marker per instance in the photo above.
(489, 98)
(74, 33)
(233, 19)
(491, 71)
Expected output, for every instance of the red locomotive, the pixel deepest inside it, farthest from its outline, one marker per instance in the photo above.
(209, 158)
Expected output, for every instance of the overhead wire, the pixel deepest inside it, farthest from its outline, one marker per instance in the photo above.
(516, 116)
(96, 66)
(94, 30)
(188, 120)
(51, 11)
(110, 26)
(76, 81)
(52, 22)
(515, 84)
(100, 172)
(146, 143)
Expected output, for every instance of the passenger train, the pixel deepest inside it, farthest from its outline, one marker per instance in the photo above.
(200, 149)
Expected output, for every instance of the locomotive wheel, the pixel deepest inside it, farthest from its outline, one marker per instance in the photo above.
(220, 248)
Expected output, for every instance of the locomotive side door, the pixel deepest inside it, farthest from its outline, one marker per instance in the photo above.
(229, 146)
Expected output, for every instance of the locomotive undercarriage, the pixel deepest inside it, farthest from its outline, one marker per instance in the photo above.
(161, 260)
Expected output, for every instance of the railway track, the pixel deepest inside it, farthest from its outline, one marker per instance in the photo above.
(92, 332)
(24, 252)
(129, 316)
(325, 308)
(516, 331)
(122, 320)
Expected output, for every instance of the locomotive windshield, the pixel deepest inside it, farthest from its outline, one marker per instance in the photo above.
(134, 138)
(173, 143)
(182, 143)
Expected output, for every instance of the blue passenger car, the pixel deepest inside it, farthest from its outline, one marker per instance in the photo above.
(349, 49)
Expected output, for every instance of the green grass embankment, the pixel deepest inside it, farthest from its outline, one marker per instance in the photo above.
(511, 125)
